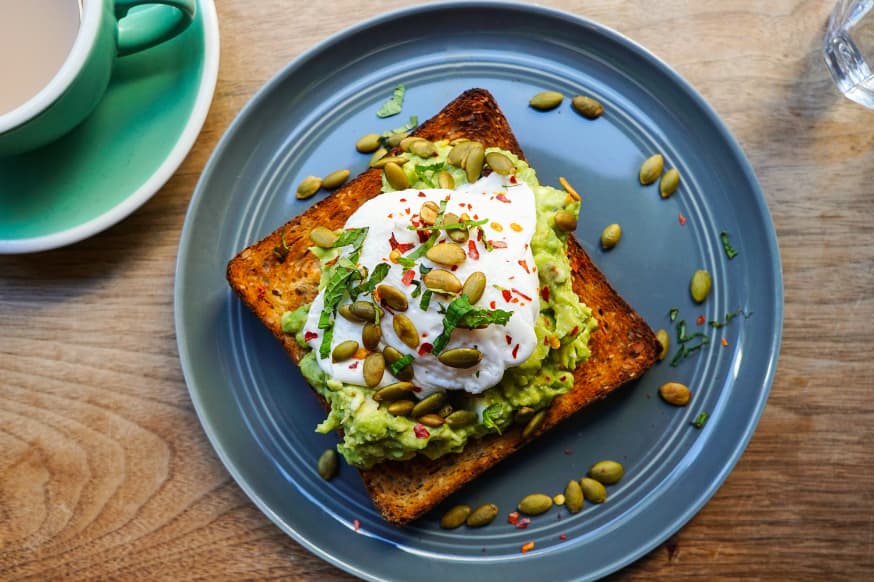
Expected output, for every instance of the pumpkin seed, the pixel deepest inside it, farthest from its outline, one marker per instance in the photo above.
(446, 254)
(406, 330)
(365, 311)
(546, 100)
(308, 186)
(428, 212)
(335, 179)
(473, 162)
(500, 163)
(587, 107)
(573, 496)
(700, 285)
(368, 143)
(406, 142)
(344, 350)
(393, 297)
(651, 169)
(328, 464)
(669, 182)
(323, 237)
(394, 391)
(455, 517)
(610, 236)
(381, 162)
(458, 153)
(533, 424)
(675, 393)
(566, 221)
(373, 369)
(461, 418)
(370, 336)
(461, 357)
(606, 472)
(429, 404)
(441, 281)
(459, 235)
(432, 420)
(535, 504)
(445, 180)
(423, 148)
(593, 491)
(401, 407)
(482, 515)
(346, 311)
(445, 410)
(391, 356)
(395, 176)
(474, 286)
(377, 155)
(395, 139)
(665, 340)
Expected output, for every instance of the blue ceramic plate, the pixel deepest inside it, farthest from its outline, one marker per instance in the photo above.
(260, 415)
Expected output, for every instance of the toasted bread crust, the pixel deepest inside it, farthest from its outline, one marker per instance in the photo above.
(623, 346)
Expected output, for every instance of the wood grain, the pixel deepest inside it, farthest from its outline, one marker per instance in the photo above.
(105, 472)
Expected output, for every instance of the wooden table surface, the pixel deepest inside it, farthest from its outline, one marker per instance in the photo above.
(106, 473)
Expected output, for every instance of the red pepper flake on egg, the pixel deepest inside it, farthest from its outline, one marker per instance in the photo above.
(425, 348)
(395, 245)
(505, 293)
(501, 197)
(472, 251)
(310, 335)
(515, 350)
(524, 264)
(520, 294)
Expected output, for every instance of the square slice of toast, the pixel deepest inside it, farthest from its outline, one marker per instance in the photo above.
(623, 346)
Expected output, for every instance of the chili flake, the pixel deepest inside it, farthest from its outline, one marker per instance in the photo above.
(407, 279)
(501, 197)
(310, 335)
(724, 343)
(356, 525)
(421, 194)
(523, 523)
(562, 537)
(524, 264)
(420, 431)
(425, 348)
(354, 364)
(700, 320)
(493, 304)
(575, 330)
(527, 547)
(397, 246)
(515, 350)
(520, 294)
(513, 180)
(682, 219)
(506, 295)
(472, 251)
(509, 339)
(499, 244)
(513, 517)
(544, 293)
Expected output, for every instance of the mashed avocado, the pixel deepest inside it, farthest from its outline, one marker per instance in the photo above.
(372, 434)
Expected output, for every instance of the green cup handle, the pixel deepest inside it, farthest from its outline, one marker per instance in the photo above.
(141, 29)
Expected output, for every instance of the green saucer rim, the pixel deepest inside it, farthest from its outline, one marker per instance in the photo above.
(126, 206)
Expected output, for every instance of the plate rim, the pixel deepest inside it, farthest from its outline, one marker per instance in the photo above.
(163, 173)
(772, 253)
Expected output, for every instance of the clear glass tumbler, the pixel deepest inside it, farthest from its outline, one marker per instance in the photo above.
(849, 49)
